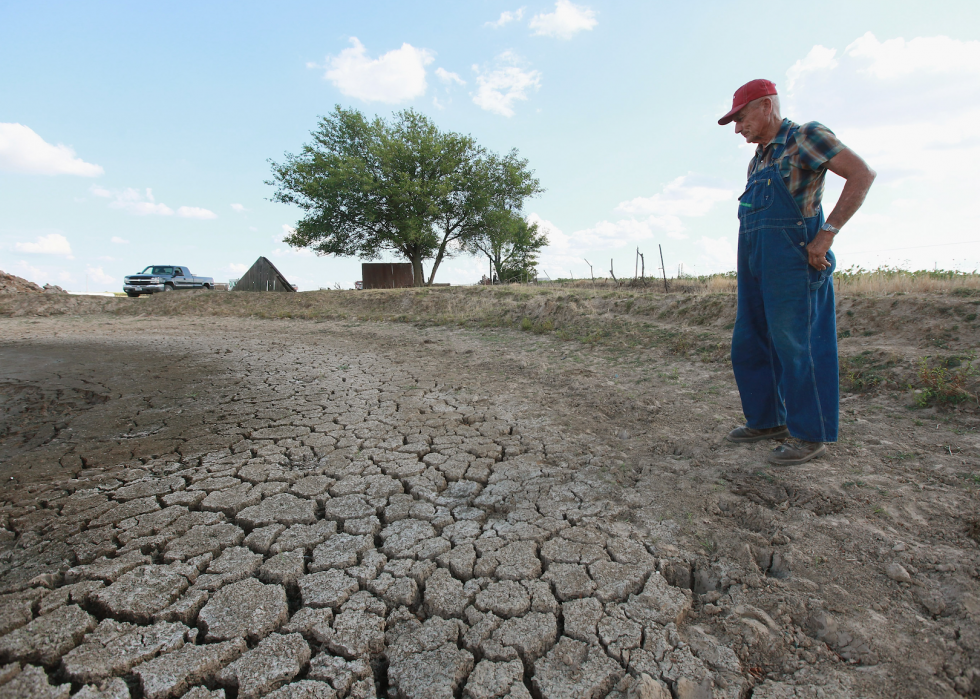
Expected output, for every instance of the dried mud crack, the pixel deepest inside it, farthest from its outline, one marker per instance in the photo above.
(312, 510)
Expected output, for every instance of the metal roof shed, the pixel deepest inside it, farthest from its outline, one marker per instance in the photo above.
(263, 276)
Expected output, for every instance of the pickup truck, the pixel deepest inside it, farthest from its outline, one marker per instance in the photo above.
(164, 278)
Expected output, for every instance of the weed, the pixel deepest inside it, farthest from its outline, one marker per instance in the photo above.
(545, 327)
(942, 385)
(858, 375)
(344, 367)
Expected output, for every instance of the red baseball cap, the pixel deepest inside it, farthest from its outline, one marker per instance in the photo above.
(752, 90)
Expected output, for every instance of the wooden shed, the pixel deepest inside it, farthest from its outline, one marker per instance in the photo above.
(263, 276)
(387, 275)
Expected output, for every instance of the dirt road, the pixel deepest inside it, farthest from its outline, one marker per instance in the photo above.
(380, 510)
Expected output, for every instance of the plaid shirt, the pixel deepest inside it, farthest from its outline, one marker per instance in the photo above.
(804, 162)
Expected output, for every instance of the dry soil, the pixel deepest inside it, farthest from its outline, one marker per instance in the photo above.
(382, 509)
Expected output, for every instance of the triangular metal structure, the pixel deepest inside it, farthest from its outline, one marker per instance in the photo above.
(263, 276)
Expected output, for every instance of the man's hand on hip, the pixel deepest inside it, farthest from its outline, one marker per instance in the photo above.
(817, 250)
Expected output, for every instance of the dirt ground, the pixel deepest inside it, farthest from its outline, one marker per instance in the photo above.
(525, 516)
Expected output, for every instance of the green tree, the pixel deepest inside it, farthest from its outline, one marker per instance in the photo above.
(511, 244)
(402, 186)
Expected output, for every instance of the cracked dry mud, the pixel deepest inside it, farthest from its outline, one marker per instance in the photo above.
(244, 508)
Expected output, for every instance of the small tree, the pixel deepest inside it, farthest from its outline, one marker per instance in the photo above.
(511, 244)
(402, 186)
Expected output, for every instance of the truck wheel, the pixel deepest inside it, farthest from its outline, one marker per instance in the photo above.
(131, 295)
(168, 287)
(207, 287)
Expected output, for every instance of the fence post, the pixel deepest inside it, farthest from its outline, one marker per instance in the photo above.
(662, 268)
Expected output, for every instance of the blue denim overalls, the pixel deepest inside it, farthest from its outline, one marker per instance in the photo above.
(784, 346)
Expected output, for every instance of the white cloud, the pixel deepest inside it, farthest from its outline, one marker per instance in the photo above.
(119, 241)
(819, 58)
(144, 203)
(98, 276)
(396, 76)
(437, 104)
(661, 216)
(506, 17)
(239, 208)
(52, 244)
(22, 150)
(449, 78)
(684, 196)
(565, 22)
(196, 212)
(718, 253)
(895, 58)
(133, 201)
(498, 89)
(236, 268)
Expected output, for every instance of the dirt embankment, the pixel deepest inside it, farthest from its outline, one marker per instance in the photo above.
(898, 341)
(12, 284)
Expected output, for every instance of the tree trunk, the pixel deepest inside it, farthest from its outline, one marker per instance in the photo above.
(435, 266)
(498, 265)
(418, 274)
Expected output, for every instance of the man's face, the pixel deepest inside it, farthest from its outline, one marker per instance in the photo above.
(752, 120)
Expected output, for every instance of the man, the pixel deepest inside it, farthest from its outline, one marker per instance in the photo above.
(784, 346)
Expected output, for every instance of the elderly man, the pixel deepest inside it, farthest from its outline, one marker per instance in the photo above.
(784, 346)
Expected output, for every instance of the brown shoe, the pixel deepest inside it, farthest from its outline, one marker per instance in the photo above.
(747, 434)
(796, 451)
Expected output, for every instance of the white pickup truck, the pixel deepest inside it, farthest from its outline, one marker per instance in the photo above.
(164, 278)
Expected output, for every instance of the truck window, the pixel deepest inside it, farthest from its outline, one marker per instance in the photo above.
(178, 273)
(158, 270)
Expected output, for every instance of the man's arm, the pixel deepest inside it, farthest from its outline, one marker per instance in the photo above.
(858, 178)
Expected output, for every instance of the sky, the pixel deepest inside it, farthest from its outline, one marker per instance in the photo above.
(141, 133)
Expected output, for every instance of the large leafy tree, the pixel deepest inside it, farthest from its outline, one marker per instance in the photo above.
(402, 186)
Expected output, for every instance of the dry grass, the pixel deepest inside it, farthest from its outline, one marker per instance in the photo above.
(891, 280)
(852, 281)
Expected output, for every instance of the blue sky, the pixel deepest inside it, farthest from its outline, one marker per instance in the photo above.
(134, 134)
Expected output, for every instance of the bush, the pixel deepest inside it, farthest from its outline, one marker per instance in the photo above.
(943, 384)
